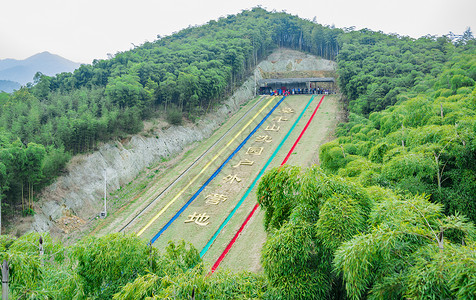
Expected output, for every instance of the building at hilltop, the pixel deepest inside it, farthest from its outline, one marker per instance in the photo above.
(307, 85)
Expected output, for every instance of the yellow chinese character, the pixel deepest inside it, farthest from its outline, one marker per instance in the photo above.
(199, 219)
(231, 178)
(272, 128)
(215, 198)
(245, 162)
(254, 150)
(280, 119)
(287, 110)
(264, 139)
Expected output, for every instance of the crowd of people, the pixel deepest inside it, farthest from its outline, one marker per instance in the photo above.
(296, 91)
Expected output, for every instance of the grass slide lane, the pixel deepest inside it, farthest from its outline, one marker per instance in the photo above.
(217, 171)
(201, 171)
(192, 165)
(227, 249)
(248, 191)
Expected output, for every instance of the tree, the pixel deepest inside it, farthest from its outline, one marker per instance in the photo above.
(182, 275)
(34, 156)
(31, 272)
(406, 253)
(308, 215)
(126, 91)
(107, 263)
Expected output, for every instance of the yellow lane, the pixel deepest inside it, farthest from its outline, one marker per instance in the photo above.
(203, 169)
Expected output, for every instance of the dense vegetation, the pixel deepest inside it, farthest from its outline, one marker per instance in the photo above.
(423, 144)
(329, 238)
(116, 267)
(332, 239)
(184, 74)
(389, 215)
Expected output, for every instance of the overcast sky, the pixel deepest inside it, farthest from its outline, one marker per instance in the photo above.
(82, 30)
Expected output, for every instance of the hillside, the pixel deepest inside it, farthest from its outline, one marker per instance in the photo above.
(78, 194)
(387, 212)
(23, 71)
(185, 75)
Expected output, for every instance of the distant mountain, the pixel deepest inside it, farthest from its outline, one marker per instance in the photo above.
(8, 86)
(22, 71)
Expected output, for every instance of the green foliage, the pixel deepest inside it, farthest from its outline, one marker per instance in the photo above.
(422, 144)
(126, 91)
(123, 267)
(174, 116)
(333, 156)
(320, 213)
(443, 274)
(291, 263)
(340, 218)
(276, 193)
(342, 240)
(107, 263)
(28, 270)
(222, 285)
(404, 251)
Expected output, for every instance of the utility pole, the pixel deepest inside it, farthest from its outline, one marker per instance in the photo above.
(103, 214)
(5, 280)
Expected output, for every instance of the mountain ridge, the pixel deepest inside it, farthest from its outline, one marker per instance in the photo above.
(22, 71)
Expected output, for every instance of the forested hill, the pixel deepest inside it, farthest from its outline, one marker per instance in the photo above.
(186, 74)
(387, 217)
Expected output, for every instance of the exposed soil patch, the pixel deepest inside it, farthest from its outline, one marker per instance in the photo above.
(69, 224)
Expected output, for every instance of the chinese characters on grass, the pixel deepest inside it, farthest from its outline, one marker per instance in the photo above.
(199, 219)
(216, 198)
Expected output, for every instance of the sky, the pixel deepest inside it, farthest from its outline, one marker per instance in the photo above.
(83, 30)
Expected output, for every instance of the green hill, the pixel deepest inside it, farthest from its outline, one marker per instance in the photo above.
(389, 216)
(184, 74)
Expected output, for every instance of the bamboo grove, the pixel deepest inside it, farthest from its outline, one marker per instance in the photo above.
(388, 214)
(185, 74)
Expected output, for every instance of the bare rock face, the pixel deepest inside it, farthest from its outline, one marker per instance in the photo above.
(79, 193)
(287, 60)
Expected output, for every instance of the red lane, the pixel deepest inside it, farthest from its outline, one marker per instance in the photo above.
(233, 240)
(302, 132)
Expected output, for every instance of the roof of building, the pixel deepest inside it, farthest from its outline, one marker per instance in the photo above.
(294, 80)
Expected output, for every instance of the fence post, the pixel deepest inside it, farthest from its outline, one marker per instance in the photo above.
(5, 280)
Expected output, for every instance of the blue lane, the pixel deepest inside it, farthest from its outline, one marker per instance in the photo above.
(215, 173)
